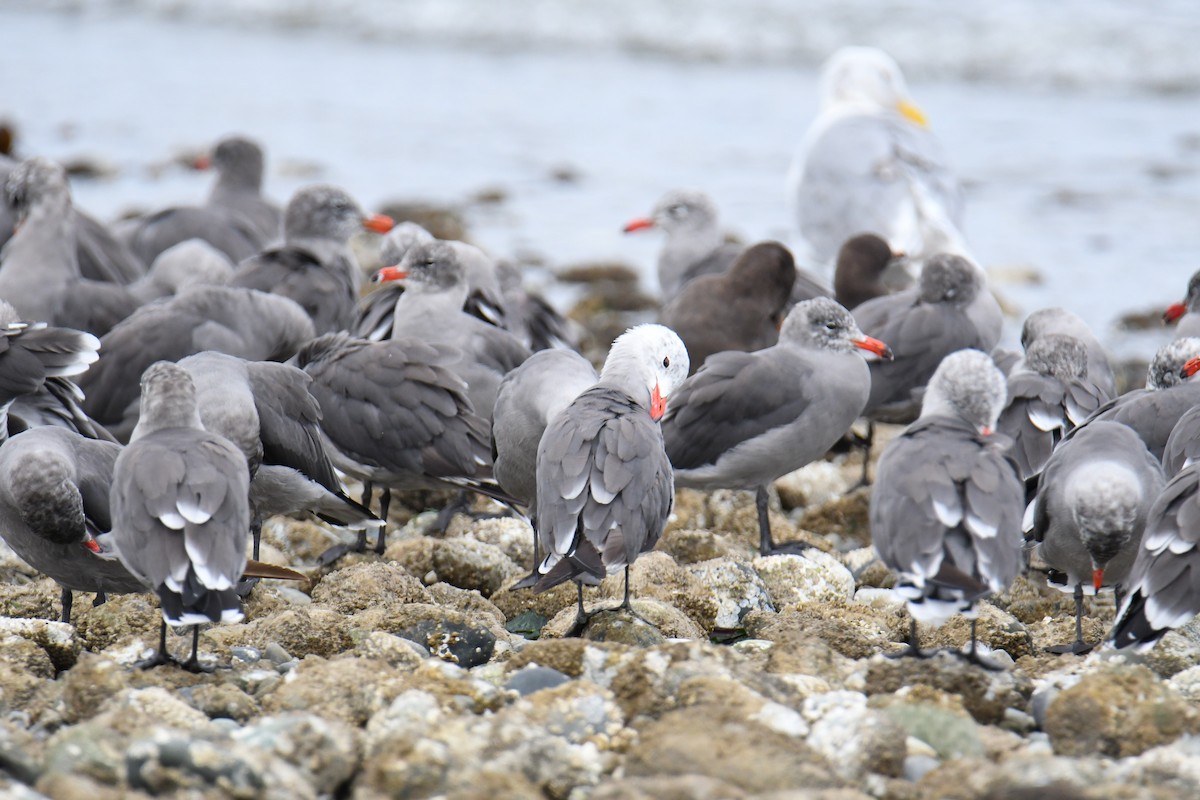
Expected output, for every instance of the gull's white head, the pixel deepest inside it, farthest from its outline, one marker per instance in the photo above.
(647, 358)
(869, 79)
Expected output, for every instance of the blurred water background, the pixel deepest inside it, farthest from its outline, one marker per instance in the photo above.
(1075, 125)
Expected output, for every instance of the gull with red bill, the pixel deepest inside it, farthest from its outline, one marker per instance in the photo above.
(1090, 511)
(1186, 313)
(695, 243)
(746, 419)
(604, 485)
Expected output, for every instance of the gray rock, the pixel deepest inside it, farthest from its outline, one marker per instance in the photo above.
(530, 679)
(276, 654)
(250, 655)
(736, 587)
(326, 751)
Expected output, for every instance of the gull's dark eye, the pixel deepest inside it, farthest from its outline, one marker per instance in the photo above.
(831, 326)
(666, 361)
(677, 211)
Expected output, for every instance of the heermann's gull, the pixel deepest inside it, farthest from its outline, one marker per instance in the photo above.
(1047, 321)
(101, 256)
(923, 325)
(1048, 395)
(529, 315)
(31, 354)
(695, 244)
(1090, 512)
(1187, 312)
(529, 397)
(267, 411)
(604, 487)
(431, 308)
(193, 262)
(1164, 583)
(1183, 445)
(746, 419)
(1153, 412)
(241, 322)
(946, 508)
(869, 163)
(396, 414)
(39, 268)
(315, 266)
(377, 310)
(739, 309)
(236, 219)
(181, 509)
(54, 503)
(858, 274)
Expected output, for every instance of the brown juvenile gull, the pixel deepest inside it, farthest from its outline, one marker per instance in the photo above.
(859, 270)
(947, 503)
(1091, 507)
(740, 309)
(604, 486)
(181, 509)
(746, 419)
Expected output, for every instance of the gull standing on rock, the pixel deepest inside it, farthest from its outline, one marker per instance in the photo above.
(604, 486)
(946, 508)
(181, 509)
(870, 164)
(54, 511)
(1090, 511)
(746, 419)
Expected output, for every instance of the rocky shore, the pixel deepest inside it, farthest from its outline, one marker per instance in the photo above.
(422, 674)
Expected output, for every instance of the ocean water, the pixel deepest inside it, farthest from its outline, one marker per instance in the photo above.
(1074, 125)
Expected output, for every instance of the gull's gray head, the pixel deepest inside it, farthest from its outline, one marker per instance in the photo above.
(239, 158)
(433, 267)
(1058, 356)
(400, 240)
(685, 209)
(824, 324)
(1105, 499)
(1168, 362)
(948, 278)
(35, 181)
(968, 385)
(1045, 321)
(322, 212)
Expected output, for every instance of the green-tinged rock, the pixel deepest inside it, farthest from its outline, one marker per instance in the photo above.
(985, 694)
(1118, 710)
(445, 633)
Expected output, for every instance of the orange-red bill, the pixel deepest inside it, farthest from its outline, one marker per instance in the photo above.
(875, 346)
(658, 404)
(378, 223)
(1190, 368)
(386, 274)
(92, 544)
(639, 224)
(1174, 312)
(1098, 577)
(202, 163)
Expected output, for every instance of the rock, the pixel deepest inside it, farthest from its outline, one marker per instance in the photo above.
(464, 563)
(936, 719)
(366, 585)
(1173, 768)
(347, 689)
(717, 742)
(20, 754)
(995, 628)
(656, 576)
(301, 631)
(573, 657)
(24, 667)
(845, 517)
(134, 711)
(165, 762)
(122, 618)
(448, 635)
(89, 749)
(225, 701)
(443, 221)
(692, 545)
(1022, 777)
(63, 786)
(25, 599)
(813, 485)
(814, 577)
(91, 682)
(470, 603)
(985, 694)
(675, 787)
(326, 751)
(868, 570)
(736, 588)
(851, 629)
(1118, 710)
(515, 602)
(853, 738)
(510, 535)
(532, 678)
(394, 650)
(56, 638)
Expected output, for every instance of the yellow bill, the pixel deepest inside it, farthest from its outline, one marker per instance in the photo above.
(911, 112)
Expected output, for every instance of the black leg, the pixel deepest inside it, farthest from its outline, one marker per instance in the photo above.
(68, 599)
(865, 443)
(256, 523)
(914, 644)
(385, 502)
(582, 613)
(193, 662)
(100, 599)
(972, 655)
(1078, 647)
(766, 543)
(625, 603)
(368, 491)
(161, 656)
